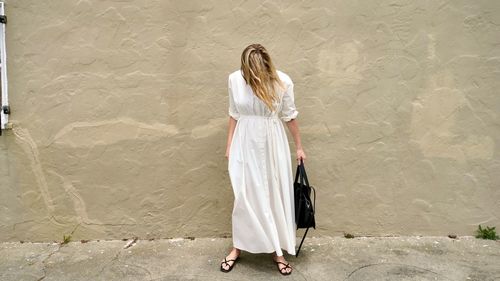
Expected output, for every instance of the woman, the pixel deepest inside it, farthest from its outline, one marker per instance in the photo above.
(259, 163)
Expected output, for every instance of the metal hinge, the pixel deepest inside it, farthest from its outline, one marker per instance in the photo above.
(3, 19)
(6, 109)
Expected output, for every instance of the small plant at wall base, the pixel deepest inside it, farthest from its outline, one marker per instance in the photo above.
(66, 239)
(487, 233)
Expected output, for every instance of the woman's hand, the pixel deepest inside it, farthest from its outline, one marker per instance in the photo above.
(227, 153)
(301, 156)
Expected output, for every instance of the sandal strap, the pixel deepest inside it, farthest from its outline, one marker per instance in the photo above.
(286, 264)
(226, 261)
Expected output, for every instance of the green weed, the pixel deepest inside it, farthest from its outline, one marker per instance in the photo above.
(487, 233)
(66, 239)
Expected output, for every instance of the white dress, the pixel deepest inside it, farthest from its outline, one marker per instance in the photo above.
(260, 170)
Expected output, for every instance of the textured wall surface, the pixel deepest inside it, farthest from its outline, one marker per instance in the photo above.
(119, 113)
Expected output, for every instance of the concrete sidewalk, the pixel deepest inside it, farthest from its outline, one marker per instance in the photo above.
(328, 258)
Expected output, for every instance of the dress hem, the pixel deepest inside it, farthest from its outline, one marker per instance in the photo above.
(264, 252)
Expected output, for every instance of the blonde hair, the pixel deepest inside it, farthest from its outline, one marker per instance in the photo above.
(259, 72)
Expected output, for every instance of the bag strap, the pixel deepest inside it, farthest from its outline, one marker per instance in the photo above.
(297, 173)
(304, 172)
(300, 246)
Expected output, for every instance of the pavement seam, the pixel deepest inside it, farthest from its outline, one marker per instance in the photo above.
(45, 260)
(57, 250)
(115, 258)
(392, 263)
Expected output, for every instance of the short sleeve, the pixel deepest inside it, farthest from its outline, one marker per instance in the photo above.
(288, 110)
(233, 111)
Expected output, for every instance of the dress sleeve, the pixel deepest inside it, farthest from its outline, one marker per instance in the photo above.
(233, 111)
(289, 111)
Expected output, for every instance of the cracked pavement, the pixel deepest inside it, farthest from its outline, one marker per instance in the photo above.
(326, 258)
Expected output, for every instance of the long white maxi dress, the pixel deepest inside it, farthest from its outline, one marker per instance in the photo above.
(260, 170)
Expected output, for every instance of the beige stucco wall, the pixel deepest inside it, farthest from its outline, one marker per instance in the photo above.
(119, 113)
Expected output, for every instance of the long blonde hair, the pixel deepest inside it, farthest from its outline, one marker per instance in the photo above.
(259, 72)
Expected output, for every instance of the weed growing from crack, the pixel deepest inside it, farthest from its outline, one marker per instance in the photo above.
(487, 233)
(66, 239)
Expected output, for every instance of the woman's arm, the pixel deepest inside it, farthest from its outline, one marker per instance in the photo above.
(293, 127)
(232, 125)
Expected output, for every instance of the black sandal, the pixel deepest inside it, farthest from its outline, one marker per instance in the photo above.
(284, 268)
(226, 261)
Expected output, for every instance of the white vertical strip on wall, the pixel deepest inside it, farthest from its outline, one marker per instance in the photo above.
(3, 67)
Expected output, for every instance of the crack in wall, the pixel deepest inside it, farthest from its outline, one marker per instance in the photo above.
(24, 139)
(78, 203)
(82, 134)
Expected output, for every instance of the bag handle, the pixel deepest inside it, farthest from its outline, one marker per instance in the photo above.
(297, 173)
(301, 172)
(303, 169)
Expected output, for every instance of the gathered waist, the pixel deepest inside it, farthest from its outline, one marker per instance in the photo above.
(243, 116)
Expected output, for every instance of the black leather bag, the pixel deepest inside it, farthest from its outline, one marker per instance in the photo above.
(304, 207)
